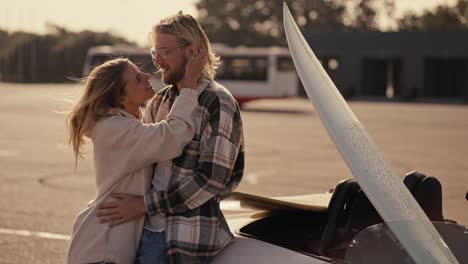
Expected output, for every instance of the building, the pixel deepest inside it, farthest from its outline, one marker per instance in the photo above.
(402, 65)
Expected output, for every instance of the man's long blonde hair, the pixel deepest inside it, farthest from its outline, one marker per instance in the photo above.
(188, 31)
(103, 90)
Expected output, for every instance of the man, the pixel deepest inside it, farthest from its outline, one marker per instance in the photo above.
(184, 199)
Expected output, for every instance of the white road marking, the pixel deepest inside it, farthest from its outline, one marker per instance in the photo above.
(34, 234)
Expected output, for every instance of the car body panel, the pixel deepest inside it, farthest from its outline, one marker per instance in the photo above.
(249, 250)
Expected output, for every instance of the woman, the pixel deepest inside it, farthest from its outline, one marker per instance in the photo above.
(108, 113)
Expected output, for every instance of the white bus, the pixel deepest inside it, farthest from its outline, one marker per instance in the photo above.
(248, 73)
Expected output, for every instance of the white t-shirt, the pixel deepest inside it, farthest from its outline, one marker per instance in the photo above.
(162, 174)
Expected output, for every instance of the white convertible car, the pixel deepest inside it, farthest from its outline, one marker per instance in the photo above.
(340, 226)
(374, 218)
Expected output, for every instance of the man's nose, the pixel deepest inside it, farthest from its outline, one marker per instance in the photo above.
(158, 60)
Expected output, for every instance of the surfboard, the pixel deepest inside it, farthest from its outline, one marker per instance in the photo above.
(385, 190)
(310, 202)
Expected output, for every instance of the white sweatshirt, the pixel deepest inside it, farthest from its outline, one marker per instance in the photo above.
(123, 150)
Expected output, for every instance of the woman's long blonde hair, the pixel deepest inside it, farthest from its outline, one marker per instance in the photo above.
(104, 89)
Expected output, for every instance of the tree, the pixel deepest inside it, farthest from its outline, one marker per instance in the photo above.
(28, 57)
(69, 51)
(260, 23)
(3, 44)
(3, 39)
(363, 14)
(17, 57)
(443, 17)
(462, 9)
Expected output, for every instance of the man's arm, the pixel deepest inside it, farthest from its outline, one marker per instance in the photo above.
(215, 164)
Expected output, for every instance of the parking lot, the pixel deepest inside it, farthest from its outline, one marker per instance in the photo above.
(287, 153)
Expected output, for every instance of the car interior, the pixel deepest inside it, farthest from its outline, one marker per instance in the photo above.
(327, 234)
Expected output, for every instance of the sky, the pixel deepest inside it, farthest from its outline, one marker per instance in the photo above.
(130, 19)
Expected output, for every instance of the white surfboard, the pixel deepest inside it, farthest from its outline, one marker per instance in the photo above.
(385, 190)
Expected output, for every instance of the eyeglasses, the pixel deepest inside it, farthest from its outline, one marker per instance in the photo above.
(164, 52)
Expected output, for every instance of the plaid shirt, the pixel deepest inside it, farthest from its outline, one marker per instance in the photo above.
(211, 165)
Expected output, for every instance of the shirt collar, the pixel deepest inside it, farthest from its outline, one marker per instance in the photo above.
(202, 84)
(174, 92)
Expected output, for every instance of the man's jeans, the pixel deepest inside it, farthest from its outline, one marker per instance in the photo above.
(152, 248)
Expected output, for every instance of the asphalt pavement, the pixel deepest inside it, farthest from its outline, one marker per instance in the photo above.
(288, 152)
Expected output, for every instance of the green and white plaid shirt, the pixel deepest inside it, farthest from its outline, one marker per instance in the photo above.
(211, 165)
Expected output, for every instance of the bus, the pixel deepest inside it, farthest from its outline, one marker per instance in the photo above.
(248, 73)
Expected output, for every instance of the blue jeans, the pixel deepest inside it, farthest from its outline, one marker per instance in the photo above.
(152, 248)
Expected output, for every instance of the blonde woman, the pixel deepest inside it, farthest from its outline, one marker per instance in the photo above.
(108, 113)
(183, 205)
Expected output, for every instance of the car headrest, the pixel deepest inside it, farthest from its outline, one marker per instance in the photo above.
(427, 191)
(339, 208)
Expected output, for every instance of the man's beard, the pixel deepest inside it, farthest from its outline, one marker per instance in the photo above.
(175, 74)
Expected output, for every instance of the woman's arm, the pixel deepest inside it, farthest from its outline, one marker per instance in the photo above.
(128, 145)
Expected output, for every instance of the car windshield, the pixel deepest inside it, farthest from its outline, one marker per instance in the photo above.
(377, 244)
